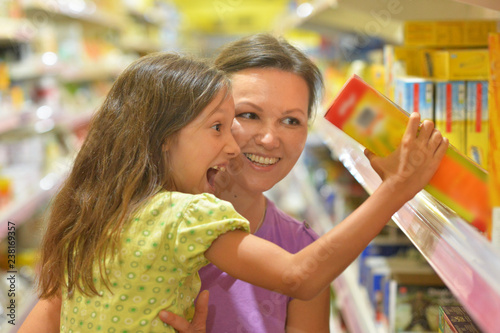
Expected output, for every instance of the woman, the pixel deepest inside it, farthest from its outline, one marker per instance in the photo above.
(275, 87)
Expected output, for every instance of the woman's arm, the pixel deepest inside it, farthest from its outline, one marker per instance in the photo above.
(305, 274)
(309, 316)
(44, 317)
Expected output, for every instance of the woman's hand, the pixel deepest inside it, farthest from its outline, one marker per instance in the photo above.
(412, 165)
(199, 322)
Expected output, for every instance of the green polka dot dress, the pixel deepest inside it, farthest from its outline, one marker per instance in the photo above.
(162, 249)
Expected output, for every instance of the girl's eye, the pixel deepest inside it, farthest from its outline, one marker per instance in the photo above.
(291, 121)
(247, 115)
(217, 127)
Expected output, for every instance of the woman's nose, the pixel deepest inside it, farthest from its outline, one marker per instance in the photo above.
(268, 137)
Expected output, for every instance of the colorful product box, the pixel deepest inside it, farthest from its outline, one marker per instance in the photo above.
(494, 135)
(378, 124)
(448, 33)
(454, 319)
(477, 122)
(416, 95)
(378, 248)
(464, 64)
(449, 112)
(412, 59)
(411, 301)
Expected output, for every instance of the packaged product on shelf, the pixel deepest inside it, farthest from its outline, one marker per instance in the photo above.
(461, 64)
(477, 122)
(411, 301)
(415, 95)
(409, 60)
(378, 124)
(494, 135)
(382, 246)
(449, 112)
(379, 268)
(454, 319)
(448, 33)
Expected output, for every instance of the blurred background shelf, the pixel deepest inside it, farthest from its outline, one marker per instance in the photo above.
(384, 19)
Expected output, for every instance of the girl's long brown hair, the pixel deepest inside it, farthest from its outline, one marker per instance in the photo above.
(120, 165)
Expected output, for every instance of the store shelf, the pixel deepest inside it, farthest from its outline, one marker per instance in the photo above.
(463, 258)
(19, 211)
(352, 299)
(35, 68)
(384, 19)
(84, 12)
(14, 31)
(492, 4)
(28, 122)
(354, 303)
(10, 122)
(140, 44)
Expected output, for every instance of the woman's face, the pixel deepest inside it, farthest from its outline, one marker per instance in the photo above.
(270, 126)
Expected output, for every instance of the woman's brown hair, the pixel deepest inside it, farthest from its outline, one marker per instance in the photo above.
(263, 50)
(121, 164)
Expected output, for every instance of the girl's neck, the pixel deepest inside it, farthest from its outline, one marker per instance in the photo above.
(249, 204)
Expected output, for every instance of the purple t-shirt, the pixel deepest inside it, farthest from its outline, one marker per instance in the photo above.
(237, 306)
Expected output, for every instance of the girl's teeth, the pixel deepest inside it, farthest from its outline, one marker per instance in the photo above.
(220, 168)
(261, 159)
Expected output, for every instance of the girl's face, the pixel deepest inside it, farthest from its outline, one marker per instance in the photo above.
(203, 147)
(270, 125)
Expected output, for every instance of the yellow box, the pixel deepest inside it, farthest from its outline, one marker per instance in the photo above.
(448, 33)
(464, 64)
(413, 60)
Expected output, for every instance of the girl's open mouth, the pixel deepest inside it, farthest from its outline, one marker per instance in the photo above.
(212, 172)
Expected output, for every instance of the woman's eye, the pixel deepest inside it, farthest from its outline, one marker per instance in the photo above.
(217, 127)
(291, 121)
(247, 115)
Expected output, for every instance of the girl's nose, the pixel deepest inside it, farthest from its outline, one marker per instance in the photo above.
(231, 148)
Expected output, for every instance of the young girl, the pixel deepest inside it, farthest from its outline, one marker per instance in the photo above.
(134, 222)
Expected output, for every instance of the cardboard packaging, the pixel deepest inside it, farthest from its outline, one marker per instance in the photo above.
(378, 124)
(449, 112)
(477, 126)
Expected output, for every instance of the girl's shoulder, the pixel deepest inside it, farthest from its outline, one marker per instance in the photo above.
(185, 202)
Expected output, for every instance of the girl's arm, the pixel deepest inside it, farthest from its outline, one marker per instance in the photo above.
(309, 316)
(44, 317)
(306, 273)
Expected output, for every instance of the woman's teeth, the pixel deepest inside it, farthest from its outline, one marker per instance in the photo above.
(262, 160)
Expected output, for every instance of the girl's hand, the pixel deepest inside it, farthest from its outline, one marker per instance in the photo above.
(411, 166)
(199, 323)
